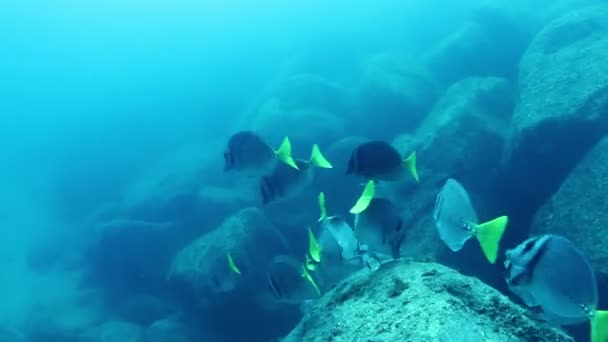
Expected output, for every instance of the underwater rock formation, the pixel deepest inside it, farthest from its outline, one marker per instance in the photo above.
(578, 209)
(202, 277)
(562, 107)
(462, 138)
(490, 44)
(414, 301)
(114, 331)
(393, 89)
(304, 126)
(170, 330)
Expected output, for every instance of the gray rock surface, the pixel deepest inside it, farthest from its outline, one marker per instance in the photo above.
(414, 301)
(562, 107)
(578, 209)
(462, 138)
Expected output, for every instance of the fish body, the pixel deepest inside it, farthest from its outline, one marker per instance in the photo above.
(380, 161)
(457, 221)
(247, 153)
(336, 229)
(290, 282)
(380, 227)
(286, 181)
(550, 272)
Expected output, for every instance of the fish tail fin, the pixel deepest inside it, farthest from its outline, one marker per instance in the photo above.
(599, 326)
(314, 249)
(365, 199)
(322, 207)
(489, 234)
(306, 275)
(410, 164)
(284, 154)
(232, 265)
(318, 159)
(310, 264)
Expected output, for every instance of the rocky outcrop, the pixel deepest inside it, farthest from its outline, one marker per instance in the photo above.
(413, 301)
(202, 278)
(394, 94)
(562, 108)
(489, 44)
(462, 138)
(578, 209)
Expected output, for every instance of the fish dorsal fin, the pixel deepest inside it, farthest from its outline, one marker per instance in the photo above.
(365, 199)
(318, 159)
(489, 234)
(599, 326)
(410, 163)
(322, 209)
(314, 249)
(284, 154)
(312, 282)
(232, 265)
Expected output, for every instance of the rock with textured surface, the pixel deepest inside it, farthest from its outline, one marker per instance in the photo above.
(562, 109)
(462, 138)
(394, 95)
(414, 301)
(578, 209)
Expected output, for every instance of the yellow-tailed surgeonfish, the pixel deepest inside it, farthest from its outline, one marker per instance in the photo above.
(457, 221)
(250, 154)
(285, 181)
(380, 161)
(290, 281)
(550, 272)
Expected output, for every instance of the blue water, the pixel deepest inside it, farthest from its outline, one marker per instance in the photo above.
(97, 95)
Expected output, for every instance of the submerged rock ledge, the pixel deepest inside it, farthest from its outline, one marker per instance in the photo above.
(416, 301)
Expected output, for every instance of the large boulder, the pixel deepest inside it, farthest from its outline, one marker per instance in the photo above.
(114, 331)
(478, 47)
(414, 301)
(462, 138)
(578, 210)
(562, 107)
(201, 276)
(394, 94)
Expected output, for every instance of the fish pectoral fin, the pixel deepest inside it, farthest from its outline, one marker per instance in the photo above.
(318, 159)
(284, 154)
(410, 164)
(599, 326)
(489, 234)
(365, 199)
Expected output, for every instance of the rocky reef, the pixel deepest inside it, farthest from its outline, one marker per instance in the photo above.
(416, 301)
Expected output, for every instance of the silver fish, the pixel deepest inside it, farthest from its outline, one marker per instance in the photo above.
(550, 272)
(380, 227)
(457, 221)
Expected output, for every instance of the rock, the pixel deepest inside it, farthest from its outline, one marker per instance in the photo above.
(394, 95)
(478, 47)
(114, 331)
(141, 309)
(202, 278)
(414, 301)
(132, 256)
(577, 209)
(304, 126)
(562, 104)
(462, 138)
(169, 329)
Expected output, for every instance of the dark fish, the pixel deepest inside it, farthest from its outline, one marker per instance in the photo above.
(248, 153)
(380, 228)
(378, 160)
(550, 272)
(290, 281)
(285, 181)
(457, 221)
